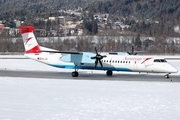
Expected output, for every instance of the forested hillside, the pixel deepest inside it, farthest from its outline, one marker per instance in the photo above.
(152, 18)
(162, 10)
(19, 9)
(165, 12)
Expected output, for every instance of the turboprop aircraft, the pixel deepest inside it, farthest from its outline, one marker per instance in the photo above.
(92, 61)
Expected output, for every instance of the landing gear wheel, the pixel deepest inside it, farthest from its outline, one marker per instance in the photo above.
(109, 73)
(75, 74)
(166, 76)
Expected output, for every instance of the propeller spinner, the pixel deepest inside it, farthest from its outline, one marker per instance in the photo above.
(98, 58)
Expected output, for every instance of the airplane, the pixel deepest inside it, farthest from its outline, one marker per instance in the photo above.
(109, 62)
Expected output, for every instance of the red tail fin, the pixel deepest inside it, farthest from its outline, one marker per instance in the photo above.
(30, 43)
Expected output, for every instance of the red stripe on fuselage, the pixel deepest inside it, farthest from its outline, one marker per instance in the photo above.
(146, 60)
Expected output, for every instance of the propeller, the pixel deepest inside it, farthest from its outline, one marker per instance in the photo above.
(132, 51)
(98, 58)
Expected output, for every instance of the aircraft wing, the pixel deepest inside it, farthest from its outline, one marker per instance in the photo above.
(62, 52)
(78, 58)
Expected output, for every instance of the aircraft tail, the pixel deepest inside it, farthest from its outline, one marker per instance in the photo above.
(30, 43)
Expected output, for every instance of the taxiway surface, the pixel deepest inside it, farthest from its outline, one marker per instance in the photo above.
(89, 76)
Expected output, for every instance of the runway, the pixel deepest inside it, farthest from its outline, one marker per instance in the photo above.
(89, 76)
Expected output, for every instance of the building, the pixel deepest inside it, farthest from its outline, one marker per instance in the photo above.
(16, 23)
(52, 18)
(61, 20)
(2, 27)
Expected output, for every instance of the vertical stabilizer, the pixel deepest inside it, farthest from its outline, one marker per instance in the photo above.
(30, 42)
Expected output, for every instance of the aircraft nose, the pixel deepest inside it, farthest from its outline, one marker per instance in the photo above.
(173, 69)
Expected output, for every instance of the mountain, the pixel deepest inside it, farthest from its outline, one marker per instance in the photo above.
(165, 12)
(17, 9)
(141, 9)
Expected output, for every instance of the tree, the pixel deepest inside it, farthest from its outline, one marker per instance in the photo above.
(138, 43)
(94, 27)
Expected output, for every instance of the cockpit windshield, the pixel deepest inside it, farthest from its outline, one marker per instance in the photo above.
(160, 60)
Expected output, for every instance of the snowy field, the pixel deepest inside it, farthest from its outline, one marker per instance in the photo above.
(63, 99)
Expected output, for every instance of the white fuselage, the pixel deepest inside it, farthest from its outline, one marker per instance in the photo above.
(129, 63)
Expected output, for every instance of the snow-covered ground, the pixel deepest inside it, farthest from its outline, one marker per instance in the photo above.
(63, 99)
(52, 99)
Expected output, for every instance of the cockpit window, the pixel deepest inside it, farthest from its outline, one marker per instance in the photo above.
(160, 60)
(163, 60)
(156, 60)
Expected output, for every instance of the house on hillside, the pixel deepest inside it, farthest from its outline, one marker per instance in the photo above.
(2, 27)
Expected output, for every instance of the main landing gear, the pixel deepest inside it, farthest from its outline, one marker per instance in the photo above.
(75, 74)
(109, 73)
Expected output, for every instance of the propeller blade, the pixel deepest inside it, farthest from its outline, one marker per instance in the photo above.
(96, 62)
(100, 63)
(101, 48)
(132, 52)
(128, 52)
(96, 50)
(93, 57)
(98, 58)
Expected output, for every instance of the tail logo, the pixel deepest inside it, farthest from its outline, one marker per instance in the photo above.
(28, 40)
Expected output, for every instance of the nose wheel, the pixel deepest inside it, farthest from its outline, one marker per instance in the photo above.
(167, 76)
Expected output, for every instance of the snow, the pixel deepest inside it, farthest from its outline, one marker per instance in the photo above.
(69, 99)
(52, 99)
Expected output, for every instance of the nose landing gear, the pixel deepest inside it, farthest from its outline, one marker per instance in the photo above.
(167, 76)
